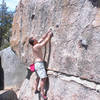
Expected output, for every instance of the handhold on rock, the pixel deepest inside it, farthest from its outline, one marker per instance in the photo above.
(83, 43)
(51, 28)
(32, 17)
(98, 91)
(57, 26)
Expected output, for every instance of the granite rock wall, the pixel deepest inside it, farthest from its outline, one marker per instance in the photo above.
(74, 49)
(12, 70)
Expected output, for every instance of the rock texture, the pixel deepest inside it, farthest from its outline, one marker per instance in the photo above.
(73, 21)
(59, 88)
(13, 71)
(8, 95)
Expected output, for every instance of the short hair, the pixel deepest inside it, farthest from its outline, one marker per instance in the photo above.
(31, 41)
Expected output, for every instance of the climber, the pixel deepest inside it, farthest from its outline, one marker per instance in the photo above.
(39, 61)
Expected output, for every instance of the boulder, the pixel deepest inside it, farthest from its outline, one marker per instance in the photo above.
(12, 70)
(8, 95)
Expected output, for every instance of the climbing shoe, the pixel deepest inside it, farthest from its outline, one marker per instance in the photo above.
(36, 91)
(44, 97)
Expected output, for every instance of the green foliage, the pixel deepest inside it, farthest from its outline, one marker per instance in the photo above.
(5, 46)
(6, 19)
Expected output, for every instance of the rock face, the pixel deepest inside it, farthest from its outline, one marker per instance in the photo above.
(58, 88)
(12, 71)
(74, 49)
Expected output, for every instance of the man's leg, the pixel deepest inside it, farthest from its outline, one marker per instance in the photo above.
(36, 84)
(42, 84)
(41, 72)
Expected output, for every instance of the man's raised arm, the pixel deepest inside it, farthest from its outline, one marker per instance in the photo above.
(43, 37)
(47, 38)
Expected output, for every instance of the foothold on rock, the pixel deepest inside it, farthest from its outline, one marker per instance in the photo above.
(32, 17)
(83, 43)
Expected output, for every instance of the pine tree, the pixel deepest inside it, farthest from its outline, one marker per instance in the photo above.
(5, 23)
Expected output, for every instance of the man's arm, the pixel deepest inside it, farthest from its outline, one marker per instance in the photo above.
(43, 37)
(45, 41)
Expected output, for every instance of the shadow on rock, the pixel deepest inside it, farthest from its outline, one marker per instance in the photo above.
(47, 86)
(95, 3)
(29, 73)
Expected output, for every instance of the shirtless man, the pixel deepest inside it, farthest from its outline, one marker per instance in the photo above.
(39, 64)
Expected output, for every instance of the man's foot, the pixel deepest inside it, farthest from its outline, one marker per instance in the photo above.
(44, 97)
(36, 91)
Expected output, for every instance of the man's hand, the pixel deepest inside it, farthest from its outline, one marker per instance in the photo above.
(46, 40)
(51, 34)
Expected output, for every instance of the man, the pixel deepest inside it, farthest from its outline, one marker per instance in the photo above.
(39, 61)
